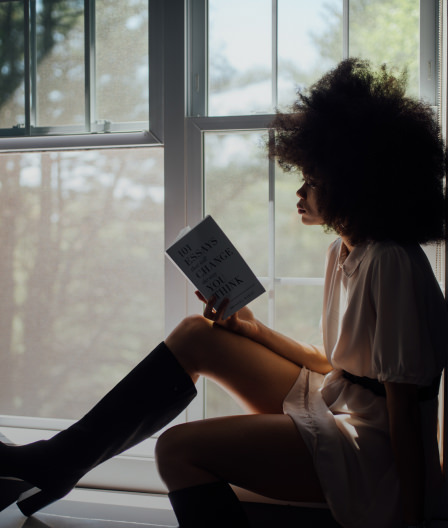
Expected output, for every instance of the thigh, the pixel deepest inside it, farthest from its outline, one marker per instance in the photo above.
(258, 378)
(262, 453)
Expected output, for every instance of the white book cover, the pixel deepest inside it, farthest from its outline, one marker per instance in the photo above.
(214, 266)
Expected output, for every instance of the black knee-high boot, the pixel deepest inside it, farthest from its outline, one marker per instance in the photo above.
(146, 400)
(208, 505)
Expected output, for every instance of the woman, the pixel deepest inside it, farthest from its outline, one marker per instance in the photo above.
(352, 423)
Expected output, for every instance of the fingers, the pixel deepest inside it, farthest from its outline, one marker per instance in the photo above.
(210, 312)
(221, 310)
(200, 296)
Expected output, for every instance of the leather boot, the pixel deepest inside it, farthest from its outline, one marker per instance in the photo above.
(146, 400)
(208, 505)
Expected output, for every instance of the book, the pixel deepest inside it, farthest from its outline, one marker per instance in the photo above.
(210, 261)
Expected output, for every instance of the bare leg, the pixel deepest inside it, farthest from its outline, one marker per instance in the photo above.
(257, 378)
(265, 452)
(262, 453)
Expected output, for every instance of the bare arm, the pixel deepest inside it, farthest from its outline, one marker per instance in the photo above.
(303, 354)
(244, 323)
(407, 445)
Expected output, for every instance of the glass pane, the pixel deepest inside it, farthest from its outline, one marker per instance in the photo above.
(387, 31)
(239, 57)
(60, 62)
(309, 43)
(81, 264)
(299, 250)
(12, 97)
(122, 61)
(236, 192)
(298, 311)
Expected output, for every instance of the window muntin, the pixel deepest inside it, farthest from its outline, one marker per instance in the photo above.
(254, 68)
(294, 42)
(258, 212)
(81, 262)
(85, 68)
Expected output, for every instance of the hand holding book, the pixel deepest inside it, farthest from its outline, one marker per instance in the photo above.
(241, 322)
(212, 263)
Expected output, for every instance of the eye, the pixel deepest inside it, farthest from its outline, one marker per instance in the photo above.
(310, 183)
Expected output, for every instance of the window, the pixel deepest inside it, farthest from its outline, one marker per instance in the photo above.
(74, 66)
(232, 97)
(109, 149)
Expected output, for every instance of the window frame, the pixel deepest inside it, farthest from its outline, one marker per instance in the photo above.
(32, 137)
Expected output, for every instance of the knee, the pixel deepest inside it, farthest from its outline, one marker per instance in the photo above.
(187, 342)
(192, 326)
(171, 454)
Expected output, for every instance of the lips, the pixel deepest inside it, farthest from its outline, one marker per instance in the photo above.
(300, 208)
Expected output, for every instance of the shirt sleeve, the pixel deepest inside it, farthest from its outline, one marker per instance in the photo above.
(404, 349)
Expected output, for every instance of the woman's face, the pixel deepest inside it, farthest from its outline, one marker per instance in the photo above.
(307, 205)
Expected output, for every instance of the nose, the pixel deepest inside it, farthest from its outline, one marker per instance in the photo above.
(301, 193)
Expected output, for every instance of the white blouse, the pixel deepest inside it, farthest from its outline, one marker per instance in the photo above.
(384, 314)
(384, 317)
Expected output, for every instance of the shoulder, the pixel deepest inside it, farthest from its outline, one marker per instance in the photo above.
(395, 264)
(334, 248)
(333, 252)
(389, 254)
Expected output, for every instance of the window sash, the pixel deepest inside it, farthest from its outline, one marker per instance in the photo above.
(154, 123)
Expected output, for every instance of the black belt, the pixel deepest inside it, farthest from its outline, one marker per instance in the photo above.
(424, 393)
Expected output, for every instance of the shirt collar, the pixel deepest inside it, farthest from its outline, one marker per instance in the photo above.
(349, 262)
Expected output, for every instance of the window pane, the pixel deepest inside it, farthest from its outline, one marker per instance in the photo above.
(122, 61)
(298, 311)
(81, 265)
(236, 192)
(309, 43)
(299, 250)
(60, 62)
(12, 97)
(239, 57)
(387, 31)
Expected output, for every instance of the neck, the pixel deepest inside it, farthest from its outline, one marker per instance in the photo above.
(347, 243)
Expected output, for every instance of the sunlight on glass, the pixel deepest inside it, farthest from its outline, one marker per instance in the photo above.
(81, 275)
(239, 57)
(309, 43)
(241, 48)
(387, 31)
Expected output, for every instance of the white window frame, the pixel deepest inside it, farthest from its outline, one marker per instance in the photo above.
(30, 128)
(180, 124)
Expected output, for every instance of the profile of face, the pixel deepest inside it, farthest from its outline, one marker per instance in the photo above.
(307, 205)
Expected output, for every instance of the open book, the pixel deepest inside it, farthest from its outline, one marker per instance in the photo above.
(212, 263)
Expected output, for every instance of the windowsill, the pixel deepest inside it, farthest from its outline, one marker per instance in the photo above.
(113, 509)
